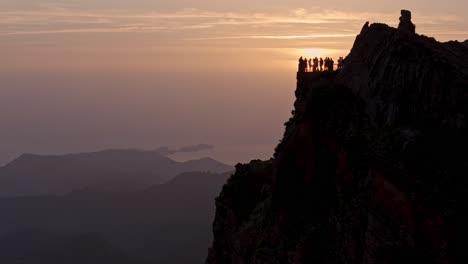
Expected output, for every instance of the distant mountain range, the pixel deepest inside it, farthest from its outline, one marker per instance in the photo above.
(168, 223)
(109, 170)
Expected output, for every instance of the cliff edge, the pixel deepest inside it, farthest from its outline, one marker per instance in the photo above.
(372, 166)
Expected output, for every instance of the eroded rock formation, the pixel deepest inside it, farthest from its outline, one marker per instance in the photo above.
(372, 166)
(405, 22)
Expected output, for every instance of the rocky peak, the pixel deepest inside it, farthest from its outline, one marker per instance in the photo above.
(399, 75)
(405, 22)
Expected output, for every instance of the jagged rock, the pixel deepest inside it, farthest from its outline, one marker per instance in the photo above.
(365, 27)
(401, 77)
(372, 166)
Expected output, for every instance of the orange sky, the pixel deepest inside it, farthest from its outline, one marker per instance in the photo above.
(83, 75)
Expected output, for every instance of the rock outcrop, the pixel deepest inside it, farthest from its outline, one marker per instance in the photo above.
(405, 22)
(372, 166)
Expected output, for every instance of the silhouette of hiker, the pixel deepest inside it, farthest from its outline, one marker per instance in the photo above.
(310, 64)
(340, 63)
(321, 64)
(316, 64)
(301, 64)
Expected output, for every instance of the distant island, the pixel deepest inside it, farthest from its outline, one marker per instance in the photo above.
(166, 151)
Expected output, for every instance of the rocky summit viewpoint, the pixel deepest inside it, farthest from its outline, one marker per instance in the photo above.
(372, 167)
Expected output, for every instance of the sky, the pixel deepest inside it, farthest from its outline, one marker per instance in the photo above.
(85, 75)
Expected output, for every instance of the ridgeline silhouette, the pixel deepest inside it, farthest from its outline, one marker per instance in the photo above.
(372, 166)
(110, 170)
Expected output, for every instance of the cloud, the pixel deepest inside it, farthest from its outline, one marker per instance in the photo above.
(201, 24)
(196, 148)
(310, 36)
(85, 30)
(53, 20)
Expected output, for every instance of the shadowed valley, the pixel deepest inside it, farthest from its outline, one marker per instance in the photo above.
(115, 206)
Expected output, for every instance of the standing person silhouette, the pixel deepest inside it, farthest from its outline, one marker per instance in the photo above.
(340, 63)
(310, 64)
(321, 64)
(301, 65)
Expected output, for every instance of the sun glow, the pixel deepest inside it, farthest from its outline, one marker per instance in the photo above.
(312, 53)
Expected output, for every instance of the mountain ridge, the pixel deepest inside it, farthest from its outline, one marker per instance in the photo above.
(122, 170)
(370, 166)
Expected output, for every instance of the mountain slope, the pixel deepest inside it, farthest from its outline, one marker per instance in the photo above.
(169, 223)
(31, 246)
(111, 170)
(372, 165)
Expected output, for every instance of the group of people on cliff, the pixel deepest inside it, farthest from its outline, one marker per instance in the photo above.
(316, 64)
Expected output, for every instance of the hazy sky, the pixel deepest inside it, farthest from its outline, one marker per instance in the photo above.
(81, 75)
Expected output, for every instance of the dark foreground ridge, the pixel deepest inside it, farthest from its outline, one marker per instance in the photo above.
(372, 167)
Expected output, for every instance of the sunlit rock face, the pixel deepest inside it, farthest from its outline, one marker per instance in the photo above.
(372, 167)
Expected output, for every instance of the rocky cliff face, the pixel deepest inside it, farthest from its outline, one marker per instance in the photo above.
(372, 167)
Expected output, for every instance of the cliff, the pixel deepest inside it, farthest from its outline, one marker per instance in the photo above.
(372, 166)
